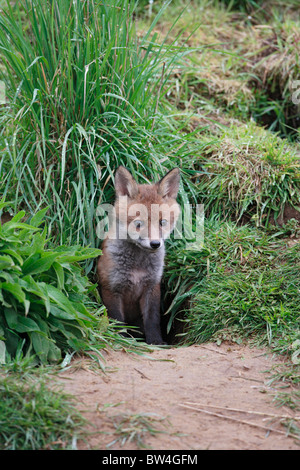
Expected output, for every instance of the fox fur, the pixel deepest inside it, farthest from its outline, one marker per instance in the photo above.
(131, 265)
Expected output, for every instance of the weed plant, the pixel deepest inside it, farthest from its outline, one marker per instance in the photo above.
(36, 417)
(47, 305)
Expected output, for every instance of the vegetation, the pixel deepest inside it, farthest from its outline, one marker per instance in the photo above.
(132, 427)
(83, 99)
(34, 417)
(250, 174)
(46, 302)
(248, 288)
(92, 85)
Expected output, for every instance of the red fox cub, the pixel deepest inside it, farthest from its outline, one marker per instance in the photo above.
(131, 265)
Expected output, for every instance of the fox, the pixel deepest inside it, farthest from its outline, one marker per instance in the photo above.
(130, 268)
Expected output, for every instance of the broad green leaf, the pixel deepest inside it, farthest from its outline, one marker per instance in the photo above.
(39, 240)
(59, 313)
(14, 289)
(40, 345)
(11, 317)
(39, 265)
(74, 254)
(26, 324)
(54, 354)
(32, 256)
(36, 288)
(5, 262)
(18, 216)
(60, 275)
(18, 322)
(61, 300)
(21, 225)
(12, 253)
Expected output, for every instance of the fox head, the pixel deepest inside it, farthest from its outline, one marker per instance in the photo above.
(146, 213)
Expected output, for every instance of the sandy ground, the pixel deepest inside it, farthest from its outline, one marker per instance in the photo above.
(198, 397)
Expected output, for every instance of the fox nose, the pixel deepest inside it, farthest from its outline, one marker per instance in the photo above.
(155, 244)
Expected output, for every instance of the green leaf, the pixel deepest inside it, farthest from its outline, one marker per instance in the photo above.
(21, 225)
(39, 241)
(14, 289)
(59, 313)
(40, 345)
(12, 253)
(11, 317)
(37, 219)
(5, 262)
(18, 322)
(18, 216)
(62, 301)
(77, 253)
(60, 275)
(54, 354)
(36, 288)
(39, 265)
(4, 204)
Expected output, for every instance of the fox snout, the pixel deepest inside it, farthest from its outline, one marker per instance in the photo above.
(155, 244)
(148, 244)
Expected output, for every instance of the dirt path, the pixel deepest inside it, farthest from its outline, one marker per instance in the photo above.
(161, 388)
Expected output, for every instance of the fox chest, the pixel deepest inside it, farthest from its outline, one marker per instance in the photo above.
(133, 272)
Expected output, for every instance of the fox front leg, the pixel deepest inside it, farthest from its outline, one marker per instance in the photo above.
(113, 304)
(150, 308)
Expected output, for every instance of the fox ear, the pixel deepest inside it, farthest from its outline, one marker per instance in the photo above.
(169, 184)
(125, 185)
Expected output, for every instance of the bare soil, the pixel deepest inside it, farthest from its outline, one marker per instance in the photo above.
(197, 397)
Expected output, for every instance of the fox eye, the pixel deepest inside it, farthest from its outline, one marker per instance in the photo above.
(163, 222)
(138, 223)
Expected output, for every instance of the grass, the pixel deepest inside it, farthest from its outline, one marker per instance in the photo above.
(250, 172)
(253, 280)
(245, 61)
(135, 428)
(261, 301)
(208, 88)
(36, 417)
(84, 98)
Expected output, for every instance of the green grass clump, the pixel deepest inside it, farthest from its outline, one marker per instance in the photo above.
(264, 302)
(36, 417)
(83, 91)
(226, 246)
(250, 173)
(247, 283)
(47, 305)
